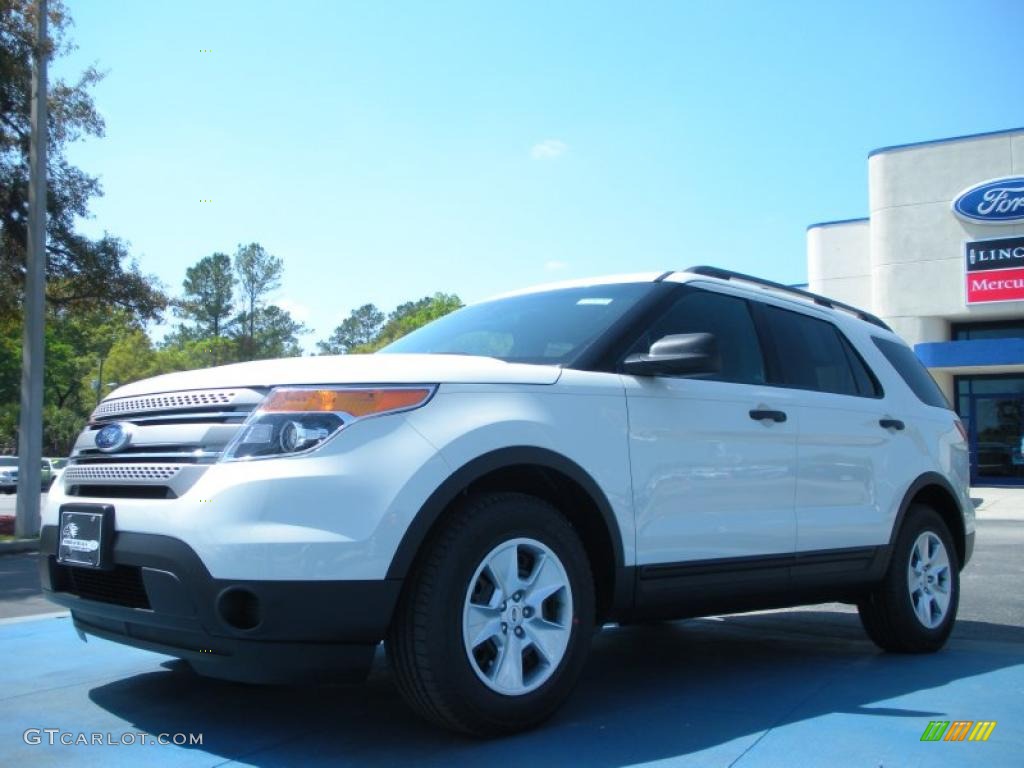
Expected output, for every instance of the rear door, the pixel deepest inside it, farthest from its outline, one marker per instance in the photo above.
(848, 441)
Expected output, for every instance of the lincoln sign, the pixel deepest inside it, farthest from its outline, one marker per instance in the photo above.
(994, 270)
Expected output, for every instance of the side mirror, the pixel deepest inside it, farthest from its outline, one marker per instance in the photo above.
(677, 355)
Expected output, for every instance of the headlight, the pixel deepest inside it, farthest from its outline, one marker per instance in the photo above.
(297, 420)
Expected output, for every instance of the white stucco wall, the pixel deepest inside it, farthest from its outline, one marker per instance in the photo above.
(839, 261)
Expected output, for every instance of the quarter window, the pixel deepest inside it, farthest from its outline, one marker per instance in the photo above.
(912, 372)
(729, 319)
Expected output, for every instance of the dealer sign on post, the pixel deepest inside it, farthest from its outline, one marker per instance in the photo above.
(994, 270)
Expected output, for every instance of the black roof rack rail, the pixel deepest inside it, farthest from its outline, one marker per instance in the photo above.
(824, 301)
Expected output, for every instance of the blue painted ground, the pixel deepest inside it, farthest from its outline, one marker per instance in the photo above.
(775, 689)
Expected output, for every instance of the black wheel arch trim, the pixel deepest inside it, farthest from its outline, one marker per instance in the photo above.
(457, 482)
(960, 535)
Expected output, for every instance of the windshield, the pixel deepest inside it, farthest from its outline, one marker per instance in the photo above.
(8, 461)
(551, 328)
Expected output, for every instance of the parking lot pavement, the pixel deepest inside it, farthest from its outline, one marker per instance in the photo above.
(779, 688)
(749, 691)
(8, 502)
(19, 588)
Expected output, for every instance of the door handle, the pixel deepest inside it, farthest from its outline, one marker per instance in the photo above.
(891, 424)
(760, 415)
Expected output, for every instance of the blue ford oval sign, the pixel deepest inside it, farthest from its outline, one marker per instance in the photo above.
(993, 202)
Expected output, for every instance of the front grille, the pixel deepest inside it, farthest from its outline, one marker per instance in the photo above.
(170, 401)
(120, 586)
(85, 473)
(173, 438)
(122, 491)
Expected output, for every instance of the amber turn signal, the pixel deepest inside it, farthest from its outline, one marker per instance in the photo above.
(357, 402)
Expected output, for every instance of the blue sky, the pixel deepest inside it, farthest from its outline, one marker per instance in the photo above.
(390, 150)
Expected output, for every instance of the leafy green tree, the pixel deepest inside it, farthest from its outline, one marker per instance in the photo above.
(410, 316)
(61, 427)
(80, 271)
(208, 298)
(259, 274)
(358, 329)
(132, 357)
(275, 333)
(186, 350)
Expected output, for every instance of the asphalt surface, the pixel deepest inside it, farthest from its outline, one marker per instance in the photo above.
(780, 688)
(8, 501)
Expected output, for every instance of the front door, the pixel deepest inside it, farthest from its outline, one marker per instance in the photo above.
(997, 439)
(713, 458)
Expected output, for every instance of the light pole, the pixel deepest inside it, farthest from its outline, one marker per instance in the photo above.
(30, 432)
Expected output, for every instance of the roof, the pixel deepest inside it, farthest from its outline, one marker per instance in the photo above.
(986, 135)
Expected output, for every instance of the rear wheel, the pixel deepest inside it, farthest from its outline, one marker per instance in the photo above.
(494, 626)
(913, 610)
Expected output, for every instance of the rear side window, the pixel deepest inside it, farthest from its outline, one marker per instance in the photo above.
(812, 354)
(912, 372)
(729, 319)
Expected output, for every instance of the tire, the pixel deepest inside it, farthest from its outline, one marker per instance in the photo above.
(453, 601)
(902, 619)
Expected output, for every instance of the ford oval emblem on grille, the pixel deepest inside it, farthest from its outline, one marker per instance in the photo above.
(113, 437)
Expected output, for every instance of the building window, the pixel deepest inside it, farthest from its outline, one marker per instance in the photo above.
(1009, 329)
(992, 409)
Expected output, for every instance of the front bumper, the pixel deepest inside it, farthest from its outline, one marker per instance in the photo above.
(160, 597)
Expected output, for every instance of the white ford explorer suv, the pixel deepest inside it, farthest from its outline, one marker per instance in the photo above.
(488, 490)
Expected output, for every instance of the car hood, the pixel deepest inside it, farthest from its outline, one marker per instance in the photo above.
(348, 369)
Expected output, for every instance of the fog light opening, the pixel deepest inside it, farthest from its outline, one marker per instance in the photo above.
(239, 608)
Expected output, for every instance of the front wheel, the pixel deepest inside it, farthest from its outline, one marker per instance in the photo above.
(494, 626)
(914, 608)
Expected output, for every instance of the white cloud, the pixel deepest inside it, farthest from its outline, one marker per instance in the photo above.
(555, 266)
(299, 312)
(548, 149)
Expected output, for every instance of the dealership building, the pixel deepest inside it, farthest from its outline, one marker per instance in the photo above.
(940, 258)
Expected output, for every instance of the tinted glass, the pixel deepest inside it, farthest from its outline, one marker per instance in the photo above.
(867, 384)
(1000, 384)
(912, 372)
(998, 330)
(552, 327)
(728, 318)
(811, 353)
(8, 461)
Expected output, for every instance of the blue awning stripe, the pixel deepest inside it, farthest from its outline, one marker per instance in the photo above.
(963, 354)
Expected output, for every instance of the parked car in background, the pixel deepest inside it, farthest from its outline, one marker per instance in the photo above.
(8, 474)
(49, 472)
